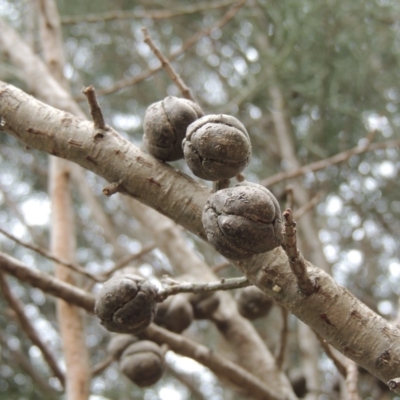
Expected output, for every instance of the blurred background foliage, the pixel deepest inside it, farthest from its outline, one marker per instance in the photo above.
(336, 64)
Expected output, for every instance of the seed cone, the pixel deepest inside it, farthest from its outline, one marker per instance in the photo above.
(243, 220)
(165, 124)
(217, 147)
(143, 363)
(126, 304)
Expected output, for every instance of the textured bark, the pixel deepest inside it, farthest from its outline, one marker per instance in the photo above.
(332, 311)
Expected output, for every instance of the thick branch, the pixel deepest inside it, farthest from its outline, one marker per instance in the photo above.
(332, 311)
(47, 283)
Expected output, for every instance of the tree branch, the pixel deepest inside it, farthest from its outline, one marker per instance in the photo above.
(332, 311)
(30, 330)
(149, 14)
(47, 283)
(220, 366)
(189, 287)
(174, 76)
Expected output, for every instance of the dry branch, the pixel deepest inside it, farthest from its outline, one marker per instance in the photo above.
(336, 159)
(30, 330)
(185, 46)
(297, 263)
(148, 14)
(174, 76)
(48, 255)
(332, 311)
(220, 366)
(189, 287)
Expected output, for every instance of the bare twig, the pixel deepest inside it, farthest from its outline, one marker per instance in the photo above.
(48, 255)
(30, 330)
(220, 366)
(47, 283)
(297, 263)
(95, 109)
(185, 46)
(22, 361)
(174, 76)
(125, 261)
(305, 208)
(336, 159)
(148, 14)
(341, 367)
(289, 196)
(394, 383)
(101, 366)
(284, 335)
(112, 188)
(188, 287)
(217, 267)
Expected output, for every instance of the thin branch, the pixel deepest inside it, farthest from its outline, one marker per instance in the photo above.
(185, 46)
(48, 255)
(47, 283)
(188, 287)
(21, 360)
(112, 188)
(297, 263)
(218, 267)
(284, 336)
(95, 109)
(220, 366)
(148, 14)
(329, 352)
(30, 330)
(336, 159)
(305, 208)
(101, 366)
(174, 76)
(125, 261)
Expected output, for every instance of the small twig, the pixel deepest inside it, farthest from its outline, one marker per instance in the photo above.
(30, 330)
(148, 14)
(338, 363)
(174, 76)
(284, 336)
(336, 159)
(289, 196)
(218, 185)
(305, 208)
(121, 264)
(112, 188)
(221, 265)
(122, 84)
(188, 287)
(95, 109)
(101, 366)
(297, 263)
(45, 253)
(394, 383)
(20, 359)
